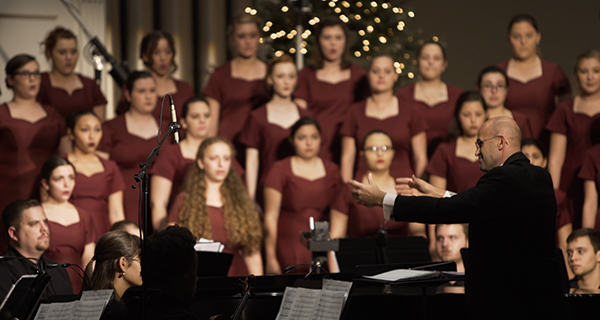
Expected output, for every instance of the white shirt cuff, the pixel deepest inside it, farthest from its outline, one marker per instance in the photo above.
(388, 206)
(449, 194)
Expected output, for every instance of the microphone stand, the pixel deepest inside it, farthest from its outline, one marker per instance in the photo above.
(144, 219)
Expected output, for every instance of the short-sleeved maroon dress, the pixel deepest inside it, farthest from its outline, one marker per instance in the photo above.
(576, 127)
(270, 139)
(170, 164)
(536, 98)
(24, 147)
(128, 151)
(68, 242)
(237, 98)
(217, 223)
(524, 124)
(590, 170)
(460, 173)
(300, 200)
(365, 221)
(183, 93)
(330, 104)
(401, 128)
(91, 194)
(81, 99)
(438, 117)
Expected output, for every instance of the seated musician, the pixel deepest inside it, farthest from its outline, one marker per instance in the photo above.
(449, 239)
(170, 263)
(26, 227)
(583, 248)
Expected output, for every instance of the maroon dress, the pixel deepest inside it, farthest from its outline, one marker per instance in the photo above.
(128, 151)
(170, 164)
(24, 147)
(300, 200)
(564, 211)
(68, 243)
(460, 173)
(402, 128)
(590, 170)
(270, 139)
(524, 124)
(576, 127)
(438, 117)
(365, 221)
(183, 93)
(536, 98)
(238, 266)
(330, 104)
(81, 99)
(91, 194)
(237, 98)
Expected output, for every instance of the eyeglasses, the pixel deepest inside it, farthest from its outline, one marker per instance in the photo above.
(479, 143)
(28, 74)
(490, 87)
(377, 148)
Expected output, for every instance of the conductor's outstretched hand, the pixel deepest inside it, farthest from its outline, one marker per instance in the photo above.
(367, 194)
(417, 187)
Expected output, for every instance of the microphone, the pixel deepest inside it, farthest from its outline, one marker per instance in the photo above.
(174, 119)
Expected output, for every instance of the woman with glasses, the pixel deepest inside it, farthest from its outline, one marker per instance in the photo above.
(454, 165)
(535, 84)
(351, 220)
(62, 88)
(297, 188)
(71, 227)
(570, 128)
(383, 111)
(434, 98)
(116, 265)
(493, 83)
(30, 132)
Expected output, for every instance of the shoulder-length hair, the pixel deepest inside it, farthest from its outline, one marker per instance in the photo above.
(317, 58)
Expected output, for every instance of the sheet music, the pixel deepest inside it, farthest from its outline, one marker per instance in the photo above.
(403, 274)
(89, 307)
(299, 303)
(207, 245)
(56, 311)
(331, 304)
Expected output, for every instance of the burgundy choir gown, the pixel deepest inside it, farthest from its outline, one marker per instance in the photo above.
(590, 170)
(536, 98)
(271, 140)
(237, 98)
(81, 99)
(330, 104)
(68, 242)
(402, 128)
(128, 151)
(438, 117)
(524, 124)
(460, 173)
(238, 266)
(300, 200)
(365, 221)
(24, 147)
(576, 127)
(91, 194)
(183, 93)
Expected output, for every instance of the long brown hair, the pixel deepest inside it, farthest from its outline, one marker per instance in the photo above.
(242, 223)
(316, 61)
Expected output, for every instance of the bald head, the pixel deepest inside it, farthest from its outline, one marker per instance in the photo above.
(506, 127)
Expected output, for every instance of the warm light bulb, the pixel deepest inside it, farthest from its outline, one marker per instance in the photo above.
(284, 9)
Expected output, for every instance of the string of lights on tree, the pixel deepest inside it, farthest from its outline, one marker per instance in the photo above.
(375, 27)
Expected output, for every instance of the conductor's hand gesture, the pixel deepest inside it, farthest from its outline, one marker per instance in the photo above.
(417, 187)
(367, 194)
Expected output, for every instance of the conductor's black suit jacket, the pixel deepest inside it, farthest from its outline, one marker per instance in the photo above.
(512, 270)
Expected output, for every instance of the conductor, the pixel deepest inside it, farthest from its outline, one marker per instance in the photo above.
(512, 272)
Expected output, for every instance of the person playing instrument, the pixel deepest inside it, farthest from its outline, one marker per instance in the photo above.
(584, 259)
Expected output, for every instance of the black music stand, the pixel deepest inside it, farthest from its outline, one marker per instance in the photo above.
(213, 264)
(23, 299)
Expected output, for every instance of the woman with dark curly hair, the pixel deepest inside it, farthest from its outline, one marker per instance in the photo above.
(215, 205)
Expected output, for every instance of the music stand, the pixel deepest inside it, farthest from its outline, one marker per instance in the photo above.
(24, 297)
(213, 264)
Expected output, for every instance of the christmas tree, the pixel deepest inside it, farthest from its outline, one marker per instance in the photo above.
(375, 27)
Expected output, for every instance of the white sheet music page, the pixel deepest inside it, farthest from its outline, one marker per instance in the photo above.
(92, 303)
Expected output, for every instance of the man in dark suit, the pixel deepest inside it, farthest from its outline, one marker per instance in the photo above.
(512, 271)
(26, 226)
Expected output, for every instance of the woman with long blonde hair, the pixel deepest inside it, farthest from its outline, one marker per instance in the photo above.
(215, 205)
